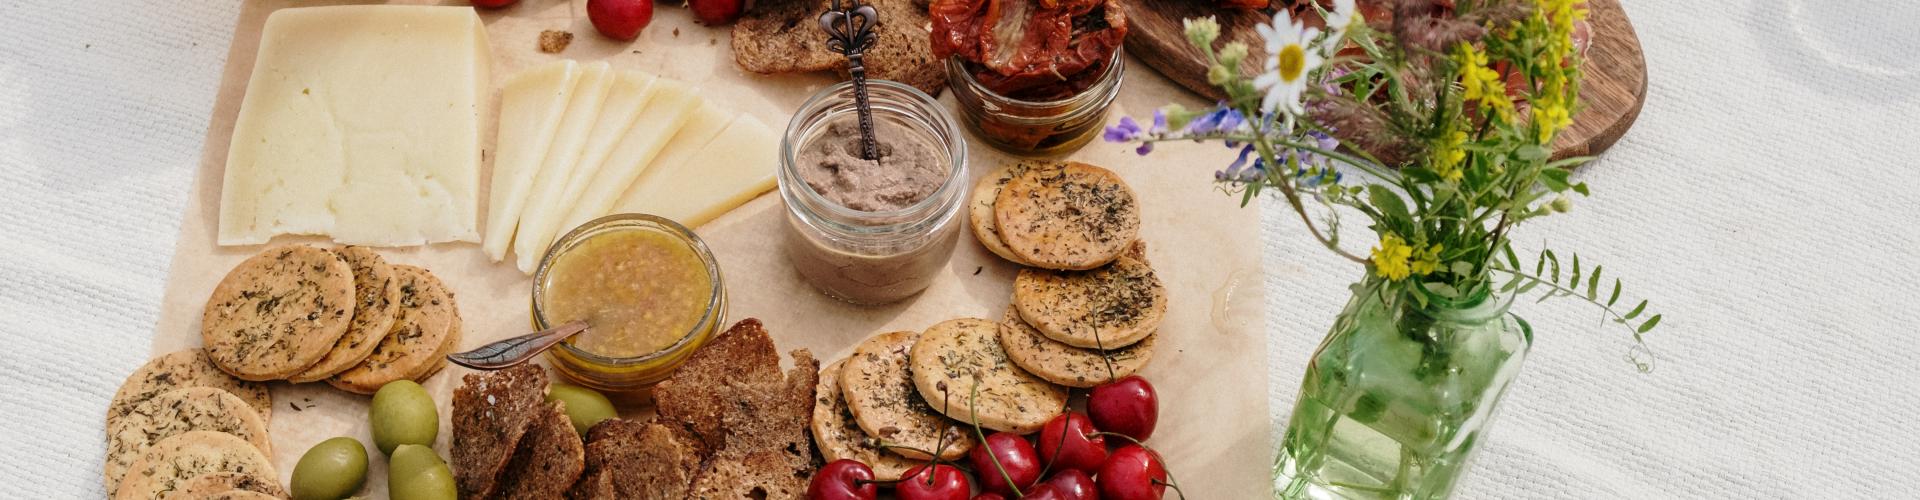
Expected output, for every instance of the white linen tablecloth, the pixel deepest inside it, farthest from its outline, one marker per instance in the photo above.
(1768, 201)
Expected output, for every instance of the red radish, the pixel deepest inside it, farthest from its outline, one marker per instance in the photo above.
(1015, 456)
(493, 4)
(620, 19)
(1127, 406)
(716, 12)
(843, 480)
(1068, 442)
(948, 484)
(1133, 473)
(1073, 485)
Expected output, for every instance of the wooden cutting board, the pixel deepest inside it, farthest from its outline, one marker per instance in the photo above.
(1614, 89)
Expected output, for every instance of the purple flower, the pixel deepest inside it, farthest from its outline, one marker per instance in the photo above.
(1159, 122)
(1127, 131)
(1145, 147)
(1238, 171)
(1221, 120)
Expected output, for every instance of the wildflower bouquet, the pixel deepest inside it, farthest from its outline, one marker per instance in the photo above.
(1436, 125)
(1447, 115)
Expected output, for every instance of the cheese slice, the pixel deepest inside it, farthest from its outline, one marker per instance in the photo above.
(531, 105)
(362, 123)
(672, 103)
(537, 219)
(702, 126)
(631, 94)
(732, 169)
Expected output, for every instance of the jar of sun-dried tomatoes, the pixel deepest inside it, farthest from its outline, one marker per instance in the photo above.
(1037, 127)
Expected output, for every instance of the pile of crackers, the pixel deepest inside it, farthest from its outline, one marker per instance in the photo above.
(729, 425)
(305, 314)
(1085, 312)
(180, 428)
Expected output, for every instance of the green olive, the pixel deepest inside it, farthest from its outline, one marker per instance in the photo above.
(403, 413)
(416, 473)
(585, 407)
(331, 470)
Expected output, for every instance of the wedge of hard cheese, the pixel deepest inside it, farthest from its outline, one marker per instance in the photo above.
(361, 123)
(642, 147)
(730, 170)
(531, 105)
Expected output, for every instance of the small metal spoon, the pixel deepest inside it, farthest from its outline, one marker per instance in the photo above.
(508, 352)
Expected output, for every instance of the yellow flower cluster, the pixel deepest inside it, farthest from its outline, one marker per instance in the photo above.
(1395, 260)
(1481, 82)
(1448, 155)
(1552, 104)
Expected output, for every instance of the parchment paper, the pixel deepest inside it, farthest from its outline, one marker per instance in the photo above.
(1209, 369)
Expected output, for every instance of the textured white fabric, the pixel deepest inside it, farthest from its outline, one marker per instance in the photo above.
(1766, 201)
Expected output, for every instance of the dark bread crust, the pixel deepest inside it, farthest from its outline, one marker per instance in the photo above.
(749, 419)
(783, 36)
(631, 460)
(550, 458)
(492, 412)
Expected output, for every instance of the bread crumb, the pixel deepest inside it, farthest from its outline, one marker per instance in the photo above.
(554, 41)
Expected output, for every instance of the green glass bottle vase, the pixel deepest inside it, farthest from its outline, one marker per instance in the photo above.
(1397, 396)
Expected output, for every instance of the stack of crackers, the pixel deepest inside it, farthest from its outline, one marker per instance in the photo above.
(304, 314)
(729, 425)
(1085, 312)
(181, 428)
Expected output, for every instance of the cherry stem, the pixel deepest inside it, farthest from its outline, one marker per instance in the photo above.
(1171, 482)
(973, 401)
(1065, 431)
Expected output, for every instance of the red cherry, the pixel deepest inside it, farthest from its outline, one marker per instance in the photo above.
(1132, 473)
(493, 4)
(620, 19)
(716, 12)
(989, 496)
(948, 484)
(843, 480)
(1043, 492)
(1074, 485)
(1068, 442)
(1016, 456)
(1127, 406)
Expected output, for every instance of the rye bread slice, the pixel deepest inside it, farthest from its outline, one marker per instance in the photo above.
(783, 36)
(701, 391)
(550, 457)
(751, 418)
(632, 460)
(492, 412)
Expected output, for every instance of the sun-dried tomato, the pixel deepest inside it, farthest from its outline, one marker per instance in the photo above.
(1029, 49)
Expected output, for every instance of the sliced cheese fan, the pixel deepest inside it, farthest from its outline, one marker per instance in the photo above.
(531, 105)
(539, 216)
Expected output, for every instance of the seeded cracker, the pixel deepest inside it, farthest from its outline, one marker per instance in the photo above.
(173, 461)
(217, 483)
(427, 318)
(955, 357)
(839, 438)
(175, 413)
(179, 370)
(1077, 217)
(376, 293)
(1110, 307)
(278, 313)
(980, 206)
(1067, 365)
(877, 384)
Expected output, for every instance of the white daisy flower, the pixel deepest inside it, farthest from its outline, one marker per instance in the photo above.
(1288, 63)
(1338, 20)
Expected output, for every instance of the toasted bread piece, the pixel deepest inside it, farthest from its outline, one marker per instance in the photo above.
(962, 359)
(550, 457)
(1067, 365)
(278, 313)
(783, 36)
(701, 391)
(877, 384)
(631, 460)
(839, 438)
(376, 295)
(492, 412)
(1107, 308)
(1076, 217)
(769, 474)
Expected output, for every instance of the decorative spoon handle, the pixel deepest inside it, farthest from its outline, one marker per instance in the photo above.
(849, 29)
(508, 352)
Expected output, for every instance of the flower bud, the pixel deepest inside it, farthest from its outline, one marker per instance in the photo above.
(1562, 204)
(1202, 31)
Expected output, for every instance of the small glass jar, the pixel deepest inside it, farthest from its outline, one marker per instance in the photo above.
(1038, 128)
(628, 376)
(872, 257)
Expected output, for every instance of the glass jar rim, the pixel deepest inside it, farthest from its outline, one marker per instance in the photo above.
(1115, 66)
(938, 119)
(1479, 306)
(631, 221)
